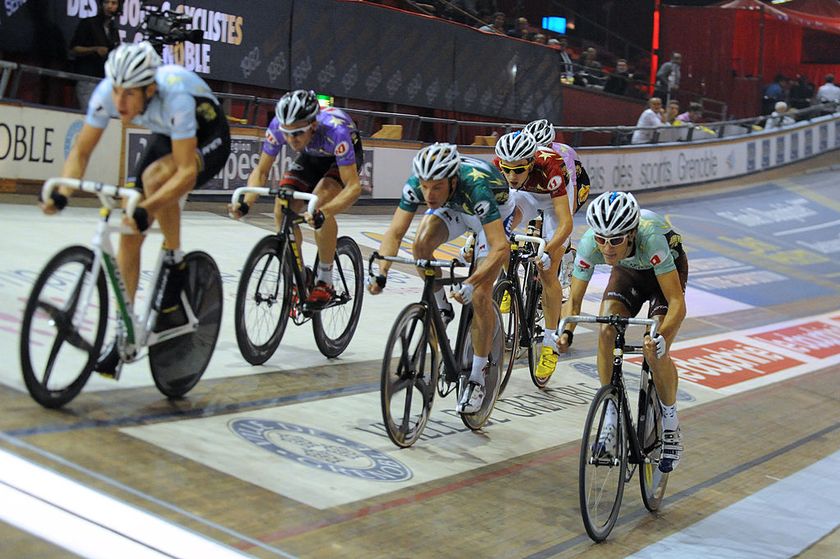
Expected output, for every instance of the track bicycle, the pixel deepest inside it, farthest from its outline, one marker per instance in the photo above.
(519, 304)
(418, 347)
(275, 283)
(66, 315)
(605, 467)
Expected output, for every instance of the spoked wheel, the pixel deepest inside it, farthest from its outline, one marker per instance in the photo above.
(504, 294)
(263, 301)
(409, 376)
(63, 327)
(336, 323)
(493, 378)
(178, 363)
(534, 318)
(653, 482)
(603, 466)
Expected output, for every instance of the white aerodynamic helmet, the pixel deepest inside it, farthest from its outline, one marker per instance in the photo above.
(516, 145)
(542, 130)
(296, 105)
(132, 65)
(437, 161)
(613, 213)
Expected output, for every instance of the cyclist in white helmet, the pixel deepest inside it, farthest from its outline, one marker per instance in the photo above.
(648, 265)
(537, 180)
(461, 193)
(327, 162)
(190, 144)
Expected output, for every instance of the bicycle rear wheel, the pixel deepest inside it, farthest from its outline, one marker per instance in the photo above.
(409, 376)
(602, 470)
(506, 291)
(263, 300)
(651, 480)
(534, 318)
(335, 324)
(59, 340)
(493, 378)
(178, 363)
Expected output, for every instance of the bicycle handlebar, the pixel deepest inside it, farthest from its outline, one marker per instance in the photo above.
(612, 319)
(107, 193)
(418, 262)
(311, 199)
(529, 239)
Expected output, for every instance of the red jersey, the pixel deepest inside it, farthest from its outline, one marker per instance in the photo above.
(548, 175)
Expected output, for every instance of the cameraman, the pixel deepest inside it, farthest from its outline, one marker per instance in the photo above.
(94, 38)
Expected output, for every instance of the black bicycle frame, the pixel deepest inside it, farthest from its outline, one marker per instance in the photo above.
(451, 365)
(617, 380)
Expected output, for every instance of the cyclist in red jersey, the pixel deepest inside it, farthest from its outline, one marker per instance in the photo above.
(536, 177)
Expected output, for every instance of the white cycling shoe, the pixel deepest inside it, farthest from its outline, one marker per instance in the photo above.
(471, 398)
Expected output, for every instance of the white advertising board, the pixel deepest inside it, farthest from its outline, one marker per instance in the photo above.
(34, 143)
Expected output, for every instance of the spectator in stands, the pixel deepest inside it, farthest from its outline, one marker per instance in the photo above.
(671, 113)
(801, 93)
(650, 118)
(693, 115)
(498, 25)
(668, 77)
(540, 39)
(780, 117)
(521, 30)
(828, 92)
(590, 72)
(617, 81)
(94, 38)
(773, 93)
(567, 66)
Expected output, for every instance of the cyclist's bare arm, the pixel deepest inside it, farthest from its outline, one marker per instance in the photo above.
(258, 177)
(672, 289)
(488, 269)
(185, 168)
(76, 162)
(390, 244)
(556, 245)
(577, 290)
(348, 195)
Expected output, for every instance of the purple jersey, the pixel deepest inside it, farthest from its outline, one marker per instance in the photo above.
(332, 138)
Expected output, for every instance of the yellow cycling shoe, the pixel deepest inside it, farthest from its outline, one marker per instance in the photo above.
(547, 364)
(504, 306)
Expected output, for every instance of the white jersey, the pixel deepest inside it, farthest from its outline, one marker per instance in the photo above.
(170, 112)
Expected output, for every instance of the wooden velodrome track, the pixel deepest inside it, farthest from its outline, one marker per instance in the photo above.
(324, 482)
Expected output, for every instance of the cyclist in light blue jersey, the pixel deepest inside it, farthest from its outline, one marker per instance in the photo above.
(648, 265)
(190, 144)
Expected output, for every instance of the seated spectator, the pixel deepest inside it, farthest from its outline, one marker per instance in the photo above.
(540, 39)
(590, 71)
(801, 93)
(780, 117)
(617, 81)
(521, 30)
(773, 93)
(693, 115)
(671, 113)
(652, 117)
(828, 92)
(498, 25)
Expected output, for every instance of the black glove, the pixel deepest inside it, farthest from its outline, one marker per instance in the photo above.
(318, 219)
(570, 334)
(141, 218)
(243, 208)
(59, 199)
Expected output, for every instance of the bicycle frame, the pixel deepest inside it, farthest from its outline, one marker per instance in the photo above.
(134, 329)
(517, 256)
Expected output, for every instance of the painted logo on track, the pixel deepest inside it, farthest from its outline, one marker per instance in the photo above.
(320, 450)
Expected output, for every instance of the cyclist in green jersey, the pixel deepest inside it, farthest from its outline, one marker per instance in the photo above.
(648, 265)
(461, 194)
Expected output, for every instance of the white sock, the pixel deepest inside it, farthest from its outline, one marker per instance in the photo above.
(173, 256)
(477, 374)
(670, 422)
(325, 272)
(548, 339)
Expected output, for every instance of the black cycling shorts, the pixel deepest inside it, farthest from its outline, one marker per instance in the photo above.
(213, 136)
(306, 170)
(634, 287)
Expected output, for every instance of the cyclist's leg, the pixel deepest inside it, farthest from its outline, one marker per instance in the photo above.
(437, 227)
(621, 297)
(325, 237)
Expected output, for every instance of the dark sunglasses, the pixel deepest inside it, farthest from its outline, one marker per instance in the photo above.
(613, 241)
(515, 170)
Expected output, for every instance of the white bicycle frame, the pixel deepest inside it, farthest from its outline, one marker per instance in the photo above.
(311, 199)
(134, 331)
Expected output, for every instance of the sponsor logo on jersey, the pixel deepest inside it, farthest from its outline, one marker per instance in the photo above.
(269, 137)
(341, 148)
(654, 260)
(482, 208)
(584, 265)
(410, 195)
(554, 183)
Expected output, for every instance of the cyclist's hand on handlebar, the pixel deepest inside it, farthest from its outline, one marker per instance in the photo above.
(544, 262)
(237, 211)
(463, 295)
(55, 204)
(657, 344)
(376, 284)
(315, 220)
(564, 341)
(139, 221)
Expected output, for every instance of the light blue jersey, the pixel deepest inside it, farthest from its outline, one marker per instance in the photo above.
(170, 112)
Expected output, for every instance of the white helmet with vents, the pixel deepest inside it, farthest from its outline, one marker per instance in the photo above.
(437, 161)
(516, 145)
(542, 130)
(613, 213)
(297, 105)
(132, 65)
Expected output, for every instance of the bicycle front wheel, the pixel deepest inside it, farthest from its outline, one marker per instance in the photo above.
(177, 364)
(63, 327)
(335, 324)
(532, 339)
(603, 465)
(263, 301)
(652, 481)
(505, 296)
(409, 376)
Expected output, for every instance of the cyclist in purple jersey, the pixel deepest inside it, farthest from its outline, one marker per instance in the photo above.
(329, 156)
